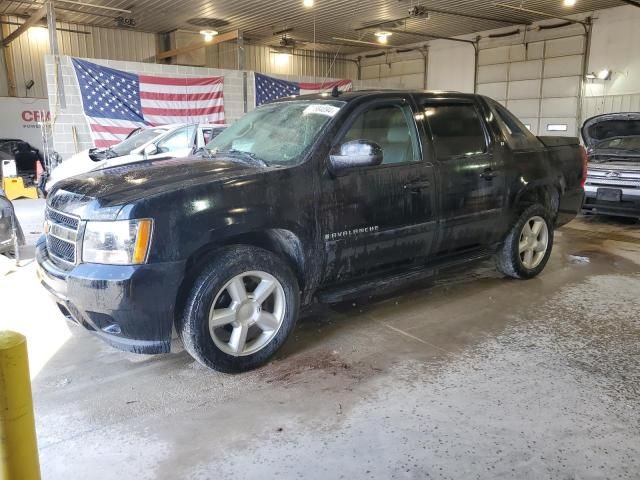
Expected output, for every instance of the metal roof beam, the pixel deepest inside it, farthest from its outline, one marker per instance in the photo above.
(509, 21)
(427, 35)
(542, 14)
(223, 37)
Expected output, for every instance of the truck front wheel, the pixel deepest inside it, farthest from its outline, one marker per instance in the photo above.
(527, 248)
(241, 309)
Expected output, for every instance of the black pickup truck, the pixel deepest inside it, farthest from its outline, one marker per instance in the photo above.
(315, 198)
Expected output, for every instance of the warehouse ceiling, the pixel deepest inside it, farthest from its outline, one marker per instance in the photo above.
(329, 19)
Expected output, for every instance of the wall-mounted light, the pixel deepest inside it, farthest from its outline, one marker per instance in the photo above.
(604, 74)
(568, 3)
(281, 58)
(39, 33)
(307, 3)
(382, 35)
(208, 34)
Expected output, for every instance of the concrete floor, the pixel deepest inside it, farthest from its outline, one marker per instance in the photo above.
(472, 376)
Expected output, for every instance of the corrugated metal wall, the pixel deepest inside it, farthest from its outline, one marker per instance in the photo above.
(592, 106)
(29, 49)
(261, 59)
(407, 69)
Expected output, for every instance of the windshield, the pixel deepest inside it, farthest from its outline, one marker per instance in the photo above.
(620, 143)
(277, 134)
(136, 140)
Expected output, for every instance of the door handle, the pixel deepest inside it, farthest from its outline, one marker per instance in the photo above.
(488, 174)
(417, 185)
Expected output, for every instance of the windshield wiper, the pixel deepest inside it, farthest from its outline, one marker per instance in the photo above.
(111, 152)
(246, 155)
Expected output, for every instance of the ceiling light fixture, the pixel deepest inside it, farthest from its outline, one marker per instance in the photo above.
(383, 35)
(307, 3)
(569, 3)
(208, 34)
(590, 76)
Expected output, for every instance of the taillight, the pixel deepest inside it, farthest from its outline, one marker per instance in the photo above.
(585, 161)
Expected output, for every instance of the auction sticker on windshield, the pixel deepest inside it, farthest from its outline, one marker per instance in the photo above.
(328, 110)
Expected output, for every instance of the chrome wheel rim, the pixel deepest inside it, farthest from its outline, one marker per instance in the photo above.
(247, 313)
(534, 241)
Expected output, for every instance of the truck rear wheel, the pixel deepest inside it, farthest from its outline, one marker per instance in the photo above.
(527, 248)
(241, 309)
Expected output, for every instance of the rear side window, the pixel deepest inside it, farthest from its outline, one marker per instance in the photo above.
(456, 130)
(515, 132)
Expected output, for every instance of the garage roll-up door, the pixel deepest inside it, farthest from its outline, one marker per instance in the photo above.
(539, 82)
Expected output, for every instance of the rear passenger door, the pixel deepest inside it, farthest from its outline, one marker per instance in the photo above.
(470, 178)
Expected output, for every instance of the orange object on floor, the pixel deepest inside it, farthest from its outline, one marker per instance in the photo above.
(39, 171)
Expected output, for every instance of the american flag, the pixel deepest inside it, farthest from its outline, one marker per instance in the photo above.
(116, 102)
(269, 88)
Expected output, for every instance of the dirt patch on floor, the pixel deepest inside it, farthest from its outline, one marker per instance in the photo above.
(323, 362)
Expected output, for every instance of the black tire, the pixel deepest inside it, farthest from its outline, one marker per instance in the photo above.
(224, 266)
(508, 260)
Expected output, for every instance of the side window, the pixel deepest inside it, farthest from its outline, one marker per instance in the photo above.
(390, 126)
(515, 132)
(178, 140)
(456, 129)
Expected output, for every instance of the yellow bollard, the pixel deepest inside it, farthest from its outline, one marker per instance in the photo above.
(18, 445)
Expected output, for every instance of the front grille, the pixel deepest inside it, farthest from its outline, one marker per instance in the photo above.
(62, 219)
(62, 236)
(610, 182)
(61, 249)
(613, 177)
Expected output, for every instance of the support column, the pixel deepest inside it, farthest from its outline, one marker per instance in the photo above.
(53, 49)
(241, 58)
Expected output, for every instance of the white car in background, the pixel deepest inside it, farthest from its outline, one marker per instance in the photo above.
(172, 141)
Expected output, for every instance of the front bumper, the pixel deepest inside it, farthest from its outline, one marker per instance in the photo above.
(628, 206)
(130, 307)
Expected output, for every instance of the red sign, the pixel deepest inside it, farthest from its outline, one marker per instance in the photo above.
(35, 115)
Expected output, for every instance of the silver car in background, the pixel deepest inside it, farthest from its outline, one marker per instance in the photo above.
(613, 176)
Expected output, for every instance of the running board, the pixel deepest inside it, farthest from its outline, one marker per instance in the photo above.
(390, 282)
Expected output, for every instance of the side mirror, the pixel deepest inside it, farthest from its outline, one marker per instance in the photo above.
(353, 154)
(150, 149)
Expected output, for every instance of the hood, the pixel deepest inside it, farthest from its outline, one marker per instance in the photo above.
(610, 125)
(75, 165)
(102, 193)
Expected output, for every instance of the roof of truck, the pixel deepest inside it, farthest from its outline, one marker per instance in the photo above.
(350, 96)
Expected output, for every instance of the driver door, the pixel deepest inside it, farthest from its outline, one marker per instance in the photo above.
(377, 218)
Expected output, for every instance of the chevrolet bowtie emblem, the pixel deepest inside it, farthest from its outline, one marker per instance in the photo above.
(612, 174)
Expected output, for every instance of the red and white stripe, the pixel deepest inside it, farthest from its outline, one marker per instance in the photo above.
(107, 132)
(343, 86)
(168, 100)
(165, 100)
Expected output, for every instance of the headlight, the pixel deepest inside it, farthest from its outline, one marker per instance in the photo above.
(123, 242)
